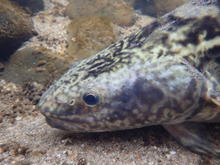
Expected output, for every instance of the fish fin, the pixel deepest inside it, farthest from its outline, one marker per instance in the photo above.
(194, 137)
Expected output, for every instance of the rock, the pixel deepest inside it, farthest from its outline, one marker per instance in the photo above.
(2, 67)
(162, 7)
(15, 27)
(31, 6)
(144, 7)
(118, 11)
(34, 65)
(155, 8)
(88, 35)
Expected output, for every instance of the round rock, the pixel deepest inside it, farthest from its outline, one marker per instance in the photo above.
(15, 27)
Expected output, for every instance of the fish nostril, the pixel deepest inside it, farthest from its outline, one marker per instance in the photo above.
(72, 102)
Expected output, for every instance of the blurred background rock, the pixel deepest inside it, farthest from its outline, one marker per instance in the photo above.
(32, 6)
(16, 27)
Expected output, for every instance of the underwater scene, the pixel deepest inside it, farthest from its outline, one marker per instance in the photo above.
(100, 82)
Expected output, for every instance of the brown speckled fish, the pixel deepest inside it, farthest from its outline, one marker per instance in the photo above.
(166, 74)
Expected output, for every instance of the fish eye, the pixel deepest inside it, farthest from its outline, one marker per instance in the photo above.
(90, 99)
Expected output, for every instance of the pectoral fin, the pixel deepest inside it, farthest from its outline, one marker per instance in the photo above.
(194, 137)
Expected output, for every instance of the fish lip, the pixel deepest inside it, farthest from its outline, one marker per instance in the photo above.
(51, 117)
(67, 125)
(50, 121)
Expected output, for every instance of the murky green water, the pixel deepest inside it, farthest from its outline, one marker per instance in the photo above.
(88, 27)
(39, 41)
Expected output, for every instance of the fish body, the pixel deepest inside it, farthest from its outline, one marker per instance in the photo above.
(168, 74)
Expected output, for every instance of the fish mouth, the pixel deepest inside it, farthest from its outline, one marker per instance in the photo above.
(66, 125)
(56, 123)
(55, 120)
(76, 125)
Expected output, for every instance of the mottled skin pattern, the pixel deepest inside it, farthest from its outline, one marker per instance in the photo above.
(166, 74)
